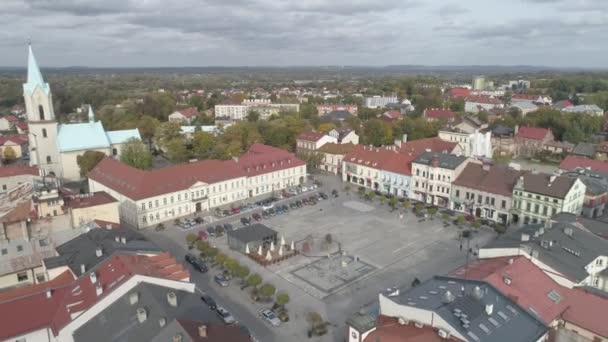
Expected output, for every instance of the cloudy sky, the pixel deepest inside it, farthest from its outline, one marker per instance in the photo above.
(305, 32)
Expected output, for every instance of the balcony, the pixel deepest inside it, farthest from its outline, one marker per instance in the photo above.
(199, 198)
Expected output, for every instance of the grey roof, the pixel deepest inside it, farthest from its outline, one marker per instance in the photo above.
(446, 160)
(82, 249)
(598, 226)
(337, 115)
(451, 298)
(119, 323)
(524, 105)
(361, 321)
(255, 232)
(501, 130)
(567, 254)
(584, 149)
(584, 109)
(596, 183)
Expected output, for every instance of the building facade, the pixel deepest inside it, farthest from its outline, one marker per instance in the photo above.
(333, 155)
(538, 196)
(232, 112)
(379, 101)
(310, 141)
(147, 198)
(432, 177)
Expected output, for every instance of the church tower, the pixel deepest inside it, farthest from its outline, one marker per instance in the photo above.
(42, 125)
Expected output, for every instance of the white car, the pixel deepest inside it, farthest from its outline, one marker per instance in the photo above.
(270, 317)
(269, 206)
(225, 316)
(304, 188)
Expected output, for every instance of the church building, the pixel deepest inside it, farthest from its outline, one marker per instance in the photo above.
(54, 147)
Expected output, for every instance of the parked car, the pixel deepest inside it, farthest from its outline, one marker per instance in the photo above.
(202, 235)
(334, 193)
(211, 231)
(299, 203)
(304, 188)
(285, 208)
(272, 212)
(256, 216)
(159, 227)
(225, 213)
(270, 317)
(236, 210)
(199, 220)
(265, 214)
(267, 206)
(221, 280)
(323, 195)
(228, 227)
(293, 205)
(245, 221)
(219, 230)
(279, 210)
(196, 263)
(224, 315)
(207, 299)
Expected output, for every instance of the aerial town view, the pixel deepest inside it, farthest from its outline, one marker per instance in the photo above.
(313, 170)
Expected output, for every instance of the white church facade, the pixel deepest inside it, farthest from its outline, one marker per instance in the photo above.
(54, 147)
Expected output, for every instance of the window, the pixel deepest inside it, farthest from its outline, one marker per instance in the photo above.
(165, 201)
(41, 112)
(545, 209)
(492, 201)
(4, 251)
(114, 152)
(44, 132)
(536, 208)
(48, 159)
(3, 186)
(22, 276)
(553, 211)
(457, 193)
(528, 206)
(150, 205)
(479, 199)
(503, 204)
(19, 248)
(143, 206)
(156, 203)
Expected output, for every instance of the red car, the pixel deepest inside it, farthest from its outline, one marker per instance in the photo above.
(202, 235)
(256, 217)
(236, 211)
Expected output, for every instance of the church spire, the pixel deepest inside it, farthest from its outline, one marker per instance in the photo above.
(34, 76)
(91, 114)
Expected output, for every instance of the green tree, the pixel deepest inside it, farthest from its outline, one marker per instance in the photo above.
(147, 126)
(371, 195)
(326, 127)
(191, 238)
(377, 132)
(136, 154)
(158, 105)
(361, 191)
(221, 258)
(254, 280)
(242, 272)
(253, 116)
(177, 151)
(382, 199)
(308, 111)
(9, 153)
(231, 265)
(393, 202)
(202, 144)
(168, 132)
(87, 161)
(282, 299)
(432, 211)
(460, 220)
(267, 290)
(419, 207)
(406, 204)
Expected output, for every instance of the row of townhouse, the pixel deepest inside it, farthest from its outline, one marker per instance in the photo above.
(149, 197)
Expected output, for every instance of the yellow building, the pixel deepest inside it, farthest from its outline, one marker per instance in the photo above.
(94, 206)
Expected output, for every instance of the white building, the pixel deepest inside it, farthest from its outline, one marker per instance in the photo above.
(233, 112)
(54, 148)
(475, 144)
(344, 136)
(433, 174)
(475, 104)
(379, 101)
(149, 197)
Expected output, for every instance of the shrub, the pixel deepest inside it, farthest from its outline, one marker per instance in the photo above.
(254, 280)
(267, 290)
(191, 238)
(500, 229)
(282, 299)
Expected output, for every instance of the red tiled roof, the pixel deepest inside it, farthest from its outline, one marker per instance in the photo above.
(388, 329)
(392, 114)
(435, 144)
(64, 278)
(484, 99)
(16, 139)
(535, 133)
(189, 112)
(439, 114)
(12, 118)
(138, 184)
(89, 200)
(381, 158)
(18, 170)
(495, 180)
(572, 162)
(459, 92)
(588, 311)
(565, 103)
(313, 136)
(22, 125)
(531, 97)
(34, 311)
(106, 224)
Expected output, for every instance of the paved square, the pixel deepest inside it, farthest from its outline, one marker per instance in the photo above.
(331, 273)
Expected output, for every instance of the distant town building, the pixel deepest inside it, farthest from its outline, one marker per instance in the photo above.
(434, 114)
(530, 140)
(185, 115)
(310, 141)
(479, 83)
(475, 104)
(433, 174)
(585, 109)
(379, 101)
(333, 155)
(328, 108)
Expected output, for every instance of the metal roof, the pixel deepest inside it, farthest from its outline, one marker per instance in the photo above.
(446, 160)
(255, 232)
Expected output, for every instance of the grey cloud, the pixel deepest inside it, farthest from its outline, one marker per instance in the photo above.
(452, 9)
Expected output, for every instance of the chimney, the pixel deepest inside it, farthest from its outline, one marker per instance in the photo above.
(93, 277)
(489, 309)
(202, 331)
(83, 268)
(177, 338)
(142, 315)
(117, 239)
(49, 293)
(172, 299)
(98, 290)
(162, 321)
(525, 237)
(123, 240)
(516, 129)
(98, 252)
(397, 142)
(404, 138)
(134, 298)
(568, 231)
(552, 179)
(486, 167)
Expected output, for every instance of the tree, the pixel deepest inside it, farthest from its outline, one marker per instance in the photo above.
(361, 191)
(136, 154)
(202, 144)
(393, 202)
(371, 195)
(177, 151)
(347, 188)
(406, 204)
(253, 116)
(231, 265)
(382, 199)
(191, 238)
(147, 126)
(476, 224)
(242, 272)
(326, 127)
(418, 207)
(267, 291)
(254, 280)
(377, 132)
(329, 239)
(282, 299)
(168, 132)
(9, 153)
(432, 211)
(220, 259)
(445, 217)
(460, 220)
(88, 161)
